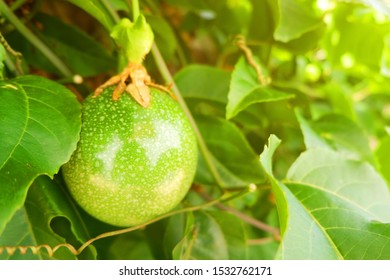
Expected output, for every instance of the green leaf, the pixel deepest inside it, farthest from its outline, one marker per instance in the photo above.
(239, 13)
(355, 42)
(174, 233)
(15, 235)
(295, 19)
(373, 113)
(212, 236)
(235, 160)
(333, 208)
(131, 246)
(80, 52)
(267, 154)
(48, 218)
(246, 90)
(203, 82)
(382, 154)
(120, 5)
(268, 12)
(96, 9)
(134, 39)
(266, 159)
(338, 133)
(308, 41)
(164, 36)
(40, 124)
(353, 181)
(342, 103)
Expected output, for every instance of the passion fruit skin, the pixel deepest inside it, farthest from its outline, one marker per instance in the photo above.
(131, 163)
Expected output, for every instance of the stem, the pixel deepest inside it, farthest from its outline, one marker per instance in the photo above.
(163, 68)
(34, 40)
(248, 219)
(17, 55)
(260, 241)
(135, 5)
(241, 44)
(126, 230)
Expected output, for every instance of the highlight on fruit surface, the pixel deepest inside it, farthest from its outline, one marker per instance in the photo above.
(132, 163)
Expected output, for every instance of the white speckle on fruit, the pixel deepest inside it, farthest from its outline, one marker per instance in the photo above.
(108, 155)
(166, 137)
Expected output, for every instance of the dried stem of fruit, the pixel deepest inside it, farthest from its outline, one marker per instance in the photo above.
(135, 80)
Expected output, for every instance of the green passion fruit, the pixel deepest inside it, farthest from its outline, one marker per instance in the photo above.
(131, 163)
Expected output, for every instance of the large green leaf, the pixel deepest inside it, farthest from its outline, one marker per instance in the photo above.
(48, 218)
(39, 129)
(267, 11)
(308, 41)
(354, 182)
(331, 208)
(245, 90)
(338, 133)
(295, 19)
(164, 35)
(82, 54)
(78, 50)
(235, 160)
(96, 9)
(212, 236)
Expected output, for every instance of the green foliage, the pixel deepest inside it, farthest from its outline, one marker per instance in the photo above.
(40, 126)
(96, 9)
(212, 236)
(82, 54)
(2, 58)
(245, 90)
(289, 101)
(48, 217)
